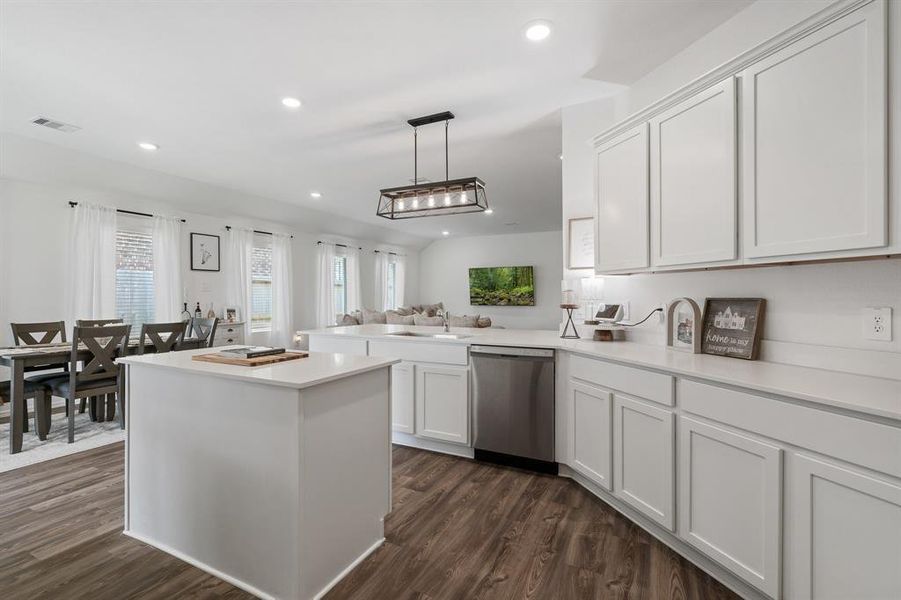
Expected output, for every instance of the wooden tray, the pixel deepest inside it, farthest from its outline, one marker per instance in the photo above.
(250, 362)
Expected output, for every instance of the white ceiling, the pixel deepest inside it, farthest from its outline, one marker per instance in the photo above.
(204, 81)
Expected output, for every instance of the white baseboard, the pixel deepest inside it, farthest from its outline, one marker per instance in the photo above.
(348, 569)
(201, 565)
(243, 584)
(405, 439)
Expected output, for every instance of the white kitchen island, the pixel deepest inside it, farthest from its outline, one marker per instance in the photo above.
(276, 479)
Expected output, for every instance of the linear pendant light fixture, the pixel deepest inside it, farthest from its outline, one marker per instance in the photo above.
(435, 198)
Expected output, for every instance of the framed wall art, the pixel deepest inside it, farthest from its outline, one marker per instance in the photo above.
(733, 326)
(683, 322)
(204, 252)
(580, 243)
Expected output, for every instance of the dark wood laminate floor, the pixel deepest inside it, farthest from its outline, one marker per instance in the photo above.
(459, 530)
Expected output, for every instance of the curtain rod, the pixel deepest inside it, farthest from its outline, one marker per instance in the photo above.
(229, 228)
(338, 245)
(123, 211)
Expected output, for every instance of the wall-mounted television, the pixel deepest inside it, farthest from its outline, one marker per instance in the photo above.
(501, 286)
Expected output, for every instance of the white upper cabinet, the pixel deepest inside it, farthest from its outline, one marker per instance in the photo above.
(814, 142)
(693, 180)
(621, 196)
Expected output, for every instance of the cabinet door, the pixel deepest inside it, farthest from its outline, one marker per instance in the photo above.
(621, 198)
(643, 458)
(442, 403)
(814, 141)
(592, 434)
(693, 180)
(845, 533)
(730, 498)
(402, 398)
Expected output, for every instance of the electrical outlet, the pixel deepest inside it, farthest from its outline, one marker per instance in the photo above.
(877, 324)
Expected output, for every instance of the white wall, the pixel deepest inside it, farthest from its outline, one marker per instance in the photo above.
(813, 312)
(444, 275)
(34, 222)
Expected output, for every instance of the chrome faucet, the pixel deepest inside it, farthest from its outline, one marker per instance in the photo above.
(446, 316)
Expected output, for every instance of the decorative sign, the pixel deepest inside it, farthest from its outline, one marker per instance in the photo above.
(580, 246)
(204, 252)
(683, 320)
(732, 327)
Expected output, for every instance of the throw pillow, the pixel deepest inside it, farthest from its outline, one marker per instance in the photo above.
(424, 320)
(373, 316)
(404, 310)
(484, 322)
(464, 321)
(348, 320)
(394, 318)
(430, 310)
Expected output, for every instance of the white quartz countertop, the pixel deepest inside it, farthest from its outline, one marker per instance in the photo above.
(858, 393)
(315, 369)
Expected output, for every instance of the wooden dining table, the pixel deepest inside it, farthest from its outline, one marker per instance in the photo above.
(56, 355)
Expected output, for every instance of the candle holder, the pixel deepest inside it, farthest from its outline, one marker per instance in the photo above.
(569, 308)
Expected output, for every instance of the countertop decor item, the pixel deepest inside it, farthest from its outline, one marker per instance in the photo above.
(569, 308)
(580, 243)
(231, 314)
(437, 198)
(732, 327)
(683, 318)
(204, 252)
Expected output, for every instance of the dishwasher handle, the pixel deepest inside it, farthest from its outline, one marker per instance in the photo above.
(512, 351)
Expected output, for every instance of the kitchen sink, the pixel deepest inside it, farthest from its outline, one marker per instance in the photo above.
(441, 336)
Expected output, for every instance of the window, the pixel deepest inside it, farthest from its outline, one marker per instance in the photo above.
(134, 276)
(392, 279)
(261, 285)
(340, 285)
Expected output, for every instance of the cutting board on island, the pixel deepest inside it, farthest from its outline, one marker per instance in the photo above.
(259, 361)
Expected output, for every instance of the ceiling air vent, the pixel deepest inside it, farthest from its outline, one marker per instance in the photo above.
(57, 125)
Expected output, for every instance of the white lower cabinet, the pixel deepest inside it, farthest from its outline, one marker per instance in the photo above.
(403, 390)
(442, 403)
(592, 433)
(845, 533)
(643, 458)
(730, 499)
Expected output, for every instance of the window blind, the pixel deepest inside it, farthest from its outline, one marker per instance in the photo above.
(261, 288)
(340, 285)
(134, 278)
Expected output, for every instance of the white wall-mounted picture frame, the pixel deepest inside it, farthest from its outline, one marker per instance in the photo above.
(580, 243)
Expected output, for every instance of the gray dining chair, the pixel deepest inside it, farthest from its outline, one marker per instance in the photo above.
(203, 330)
(40, 393)
(99, 375)
(33, 334)
(97, 322)
(154, 332)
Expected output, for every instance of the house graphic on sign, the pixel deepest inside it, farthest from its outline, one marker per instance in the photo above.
(726, 319)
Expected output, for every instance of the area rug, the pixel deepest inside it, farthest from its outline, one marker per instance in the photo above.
(88, 434)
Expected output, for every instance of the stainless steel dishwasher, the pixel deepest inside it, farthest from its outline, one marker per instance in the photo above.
(513, 396)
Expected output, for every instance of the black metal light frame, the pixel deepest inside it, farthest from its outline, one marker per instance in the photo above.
(432, 199)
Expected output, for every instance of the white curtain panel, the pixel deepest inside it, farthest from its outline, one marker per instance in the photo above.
(354, 295)
(380, 300)
(282, 290)
(400, 266)
(91, 273)
(238, 253)
(325, 300)
(167, 265)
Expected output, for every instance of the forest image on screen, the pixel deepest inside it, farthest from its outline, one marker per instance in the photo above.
(501, 286)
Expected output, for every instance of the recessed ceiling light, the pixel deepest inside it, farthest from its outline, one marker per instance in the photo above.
(560, 156)
(315, 195)
(148, 146)
(445, 233)
(291, 102)
(489, 211)
(538, 30)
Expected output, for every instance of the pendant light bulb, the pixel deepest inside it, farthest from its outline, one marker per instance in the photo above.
(400, 205)
(447, 199)
(416, 202)
(463, 197)
(431, 200)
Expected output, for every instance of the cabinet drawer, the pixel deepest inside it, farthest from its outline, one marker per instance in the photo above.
(448, 354)
(865, 443)
(635, 382)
